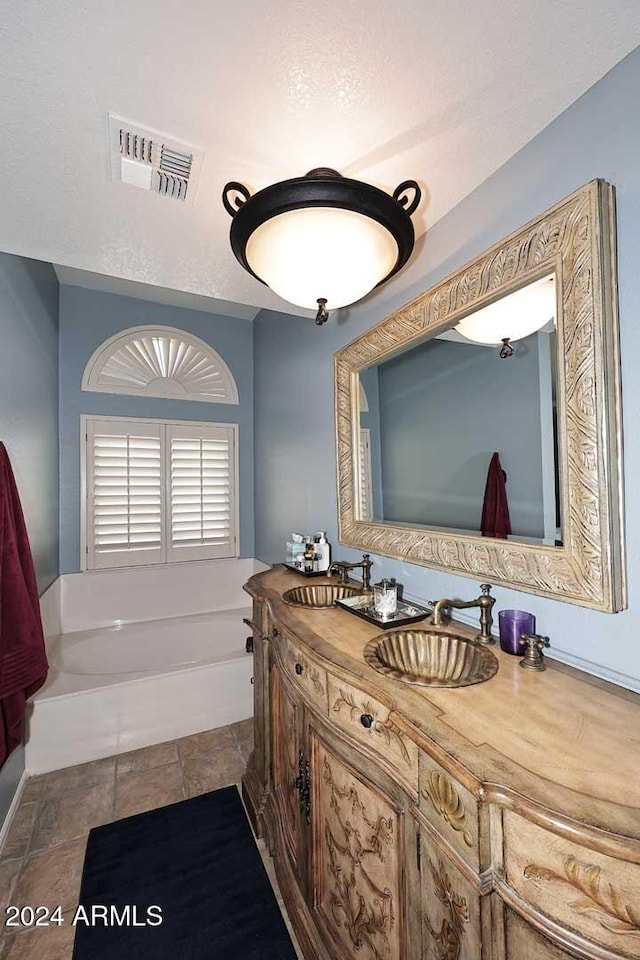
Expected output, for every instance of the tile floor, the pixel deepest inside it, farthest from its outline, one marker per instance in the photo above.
(41, 861)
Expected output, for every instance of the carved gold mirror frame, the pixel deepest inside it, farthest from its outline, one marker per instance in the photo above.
(575, 240)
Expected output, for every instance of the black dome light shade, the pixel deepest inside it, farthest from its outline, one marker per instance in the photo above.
(322, 241)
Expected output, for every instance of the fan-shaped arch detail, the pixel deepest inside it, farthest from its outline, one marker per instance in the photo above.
(160, 362)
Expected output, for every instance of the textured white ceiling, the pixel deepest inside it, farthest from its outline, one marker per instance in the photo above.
(444, 91)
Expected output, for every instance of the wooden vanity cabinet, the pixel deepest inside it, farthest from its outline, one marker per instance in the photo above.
(362, 844)
(388, 847)
(287, 766)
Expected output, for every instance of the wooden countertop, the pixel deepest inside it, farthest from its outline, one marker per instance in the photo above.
(561, 738)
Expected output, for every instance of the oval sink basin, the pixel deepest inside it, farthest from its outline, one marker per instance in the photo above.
(430, 659)
(318, 595)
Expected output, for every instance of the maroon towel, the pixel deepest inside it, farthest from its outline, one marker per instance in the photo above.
(23, 661)
(495, 509)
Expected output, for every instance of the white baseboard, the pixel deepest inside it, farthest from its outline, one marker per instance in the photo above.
(4, 829)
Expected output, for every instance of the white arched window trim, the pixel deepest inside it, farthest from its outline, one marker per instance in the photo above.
(160, 362)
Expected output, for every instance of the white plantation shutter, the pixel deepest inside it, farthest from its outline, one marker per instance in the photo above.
(124, 489)
(365, 511)
(202, 506)
(159, 493)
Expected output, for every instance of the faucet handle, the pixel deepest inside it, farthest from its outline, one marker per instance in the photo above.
(485, 588)
(533, 658)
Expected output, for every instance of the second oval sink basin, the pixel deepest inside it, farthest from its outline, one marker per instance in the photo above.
(429, 658)
(318, 595)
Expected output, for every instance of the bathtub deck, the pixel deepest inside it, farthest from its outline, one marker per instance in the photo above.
(92, 675)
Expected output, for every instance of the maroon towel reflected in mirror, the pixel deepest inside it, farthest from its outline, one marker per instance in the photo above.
(23, 661)
(495, 509)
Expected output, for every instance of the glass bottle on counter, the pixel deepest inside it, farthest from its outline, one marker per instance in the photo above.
(385, 599)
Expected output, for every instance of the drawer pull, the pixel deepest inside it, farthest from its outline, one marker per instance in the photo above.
(366, 720)
(298, 669)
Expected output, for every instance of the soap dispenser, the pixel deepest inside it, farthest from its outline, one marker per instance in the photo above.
(323, 550)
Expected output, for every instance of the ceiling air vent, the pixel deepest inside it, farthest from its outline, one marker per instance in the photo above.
(150, 160)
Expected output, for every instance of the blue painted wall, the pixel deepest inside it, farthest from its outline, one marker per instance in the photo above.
(445, 408)
(295, 455)
(87, 319)
(29, 422)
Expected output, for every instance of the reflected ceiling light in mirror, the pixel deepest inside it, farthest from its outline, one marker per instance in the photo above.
(513, 317)
(322, 241)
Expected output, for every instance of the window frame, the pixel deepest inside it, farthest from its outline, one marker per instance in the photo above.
(85, 419)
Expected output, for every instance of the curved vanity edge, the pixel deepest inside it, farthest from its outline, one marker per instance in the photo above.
(594, 838)
(563, 936)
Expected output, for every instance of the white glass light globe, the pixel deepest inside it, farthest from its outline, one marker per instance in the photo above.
(321, 252)
(514, 316)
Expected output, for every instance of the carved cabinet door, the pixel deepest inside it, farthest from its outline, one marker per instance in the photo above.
(362, 856)
(286, 762)
(451, 908)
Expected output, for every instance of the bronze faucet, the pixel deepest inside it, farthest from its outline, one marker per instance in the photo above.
(485, 602)
(343, 569)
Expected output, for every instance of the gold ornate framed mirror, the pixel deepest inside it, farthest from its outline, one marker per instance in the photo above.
(424, 402)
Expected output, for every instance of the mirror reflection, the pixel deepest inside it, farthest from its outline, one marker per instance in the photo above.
(459, 432)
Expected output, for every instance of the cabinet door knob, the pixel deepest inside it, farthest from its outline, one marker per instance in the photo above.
(298, 669)
(366, 720)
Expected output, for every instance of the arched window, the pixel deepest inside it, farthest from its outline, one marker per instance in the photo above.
(160, 362)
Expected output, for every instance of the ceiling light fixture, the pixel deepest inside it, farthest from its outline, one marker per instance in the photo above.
(322, 241)
(513, 317)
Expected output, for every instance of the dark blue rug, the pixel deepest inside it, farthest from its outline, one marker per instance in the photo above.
(197, 864)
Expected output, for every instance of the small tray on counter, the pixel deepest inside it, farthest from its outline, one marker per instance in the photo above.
(302, 573)
(363, 607)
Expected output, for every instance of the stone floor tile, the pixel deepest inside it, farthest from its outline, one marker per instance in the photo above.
(9, 870)
(243, 730)
(212, 771)
(147, 758)
(72, 815)
(19, 834)
(137, 792)
(51, 878)
(201, 743)
(67, 780)
(40, 943)
(244, 738)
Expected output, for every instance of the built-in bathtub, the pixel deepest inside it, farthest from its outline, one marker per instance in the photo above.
(121, 679)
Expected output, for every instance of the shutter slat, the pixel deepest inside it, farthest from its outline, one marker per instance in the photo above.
(201, 491)
(127, 494)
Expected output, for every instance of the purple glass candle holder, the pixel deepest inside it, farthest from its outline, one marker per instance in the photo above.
(512, 624)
